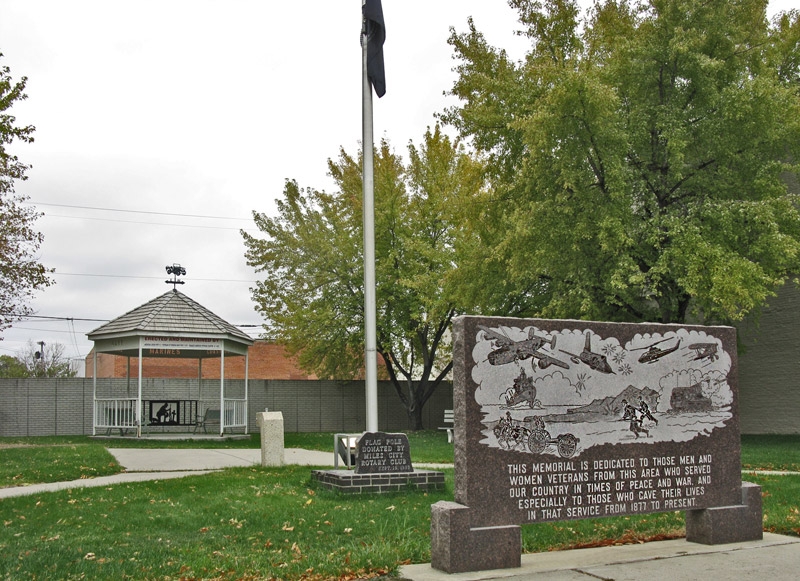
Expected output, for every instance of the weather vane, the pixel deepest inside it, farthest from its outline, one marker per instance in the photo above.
(175, 270)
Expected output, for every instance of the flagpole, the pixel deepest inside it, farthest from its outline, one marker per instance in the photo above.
(370, 326)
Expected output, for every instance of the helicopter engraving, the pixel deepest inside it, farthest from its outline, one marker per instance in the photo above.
(654, 353)
(594, 360)
(508, 351)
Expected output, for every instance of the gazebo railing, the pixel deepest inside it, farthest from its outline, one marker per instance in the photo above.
(120, 413)
(116, 413)
(235, 413)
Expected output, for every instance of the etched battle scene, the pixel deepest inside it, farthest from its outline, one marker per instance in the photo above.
(563, 392)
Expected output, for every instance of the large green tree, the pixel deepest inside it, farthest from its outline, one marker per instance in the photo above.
(638, 156)
(312, 295)
(21, 274)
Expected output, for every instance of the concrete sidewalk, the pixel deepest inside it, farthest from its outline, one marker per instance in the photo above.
(775, 558)
(170, 459)
(143, 464)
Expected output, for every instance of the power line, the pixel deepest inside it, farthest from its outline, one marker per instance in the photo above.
(54, 318)
(147, 277)
(147, 223)
(40, 330)
(137, 211)
(51, 318)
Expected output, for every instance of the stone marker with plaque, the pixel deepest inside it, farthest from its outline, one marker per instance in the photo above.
(383, 464)
(559, 420)
(381, 453)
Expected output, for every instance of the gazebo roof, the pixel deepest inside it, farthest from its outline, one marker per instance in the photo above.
(173, 314)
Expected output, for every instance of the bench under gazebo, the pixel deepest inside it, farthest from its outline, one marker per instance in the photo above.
(172, 326)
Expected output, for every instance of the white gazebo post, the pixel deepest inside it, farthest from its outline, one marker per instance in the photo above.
(246, 394)
(138, 414)
(222, 390)
(94, 394)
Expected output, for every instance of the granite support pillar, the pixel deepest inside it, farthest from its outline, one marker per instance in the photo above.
(728, 524)
(457, 548)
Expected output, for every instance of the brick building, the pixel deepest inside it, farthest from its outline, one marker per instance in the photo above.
(267, 361)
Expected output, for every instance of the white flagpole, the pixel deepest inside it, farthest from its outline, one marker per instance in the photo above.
(370, 327)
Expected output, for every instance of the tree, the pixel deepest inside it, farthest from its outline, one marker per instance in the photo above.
(37, 360)
(11, 367)
(637, 156)
(312, 296)
(20, 272)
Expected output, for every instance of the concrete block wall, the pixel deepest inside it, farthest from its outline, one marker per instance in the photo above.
(339, 406)
(769, 366)
(54, 407)
(45, 407)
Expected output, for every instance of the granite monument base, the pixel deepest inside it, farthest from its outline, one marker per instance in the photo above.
(728, 524)
(458, 548)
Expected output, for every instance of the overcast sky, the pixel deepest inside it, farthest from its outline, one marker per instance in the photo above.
(162, 124)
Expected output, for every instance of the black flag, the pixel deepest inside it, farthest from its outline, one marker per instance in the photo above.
(376, 34)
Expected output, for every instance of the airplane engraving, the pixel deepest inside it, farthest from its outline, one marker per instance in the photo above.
(704, 351)
(507, 350)
(594, 360)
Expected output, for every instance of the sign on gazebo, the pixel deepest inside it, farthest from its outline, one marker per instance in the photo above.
(172, 346)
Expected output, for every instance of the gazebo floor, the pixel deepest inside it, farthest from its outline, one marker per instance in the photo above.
(172, 437)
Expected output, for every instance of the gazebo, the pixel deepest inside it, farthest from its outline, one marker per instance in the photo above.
(172, 325)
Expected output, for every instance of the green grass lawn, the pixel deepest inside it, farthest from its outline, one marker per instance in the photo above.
(58, 459)
(771, 452)
(59, 463)
(260, 523)
(54, 459)
(239, 523)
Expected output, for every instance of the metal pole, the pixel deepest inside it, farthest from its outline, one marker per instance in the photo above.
(370, 326)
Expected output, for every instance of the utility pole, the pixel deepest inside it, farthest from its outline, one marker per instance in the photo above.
(40, 355)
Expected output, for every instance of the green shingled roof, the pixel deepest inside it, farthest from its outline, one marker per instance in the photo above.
(171, 313)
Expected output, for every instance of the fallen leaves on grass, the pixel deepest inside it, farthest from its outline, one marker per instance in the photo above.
(629, 538)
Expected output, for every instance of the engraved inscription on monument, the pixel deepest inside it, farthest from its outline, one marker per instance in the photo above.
(565, 490)
(379, 452)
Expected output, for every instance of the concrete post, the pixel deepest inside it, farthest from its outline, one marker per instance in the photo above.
(271, 426)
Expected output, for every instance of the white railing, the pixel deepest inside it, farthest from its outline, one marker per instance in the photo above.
(235, 413)
(115, 413)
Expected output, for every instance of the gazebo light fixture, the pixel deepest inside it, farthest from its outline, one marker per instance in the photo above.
(175, 270)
